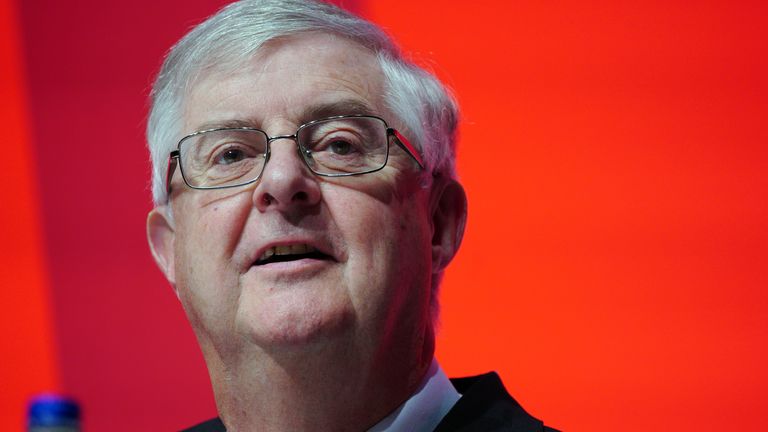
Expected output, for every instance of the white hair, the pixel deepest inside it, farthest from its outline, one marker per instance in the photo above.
(231, 37)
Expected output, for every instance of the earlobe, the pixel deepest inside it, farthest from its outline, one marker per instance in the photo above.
(161, 236)
(449, 217)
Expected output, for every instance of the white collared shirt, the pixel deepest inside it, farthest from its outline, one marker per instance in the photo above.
(424, 410)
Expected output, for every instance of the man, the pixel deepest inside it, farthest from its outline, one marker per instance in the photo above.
(306, 207)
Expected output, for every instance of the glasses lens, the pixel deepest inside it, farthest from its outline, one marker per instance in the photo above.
(351, 145)
(225, 157)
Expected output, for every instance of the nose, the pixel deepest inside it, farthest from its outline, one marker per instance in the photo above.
(287, 183)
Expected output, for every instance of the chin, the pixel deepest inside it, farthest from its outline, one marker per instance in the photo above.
(296, 322)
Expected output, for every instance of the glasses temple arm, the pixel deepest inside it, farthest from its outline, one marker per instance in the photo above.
(172, 162)
(406, 145)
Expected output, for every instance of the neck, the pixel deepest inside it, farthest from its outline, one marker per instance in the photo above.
(322, 387)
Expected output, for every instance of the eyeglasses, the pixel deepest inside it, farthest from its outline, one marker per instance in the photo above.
(331, 147)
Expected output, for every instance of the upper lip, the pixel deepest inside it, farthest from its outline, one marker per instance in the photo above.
(311, 245)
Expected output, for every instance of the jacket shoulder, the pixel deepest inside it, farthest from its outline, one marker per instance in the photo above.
(485, 405)
(213, 425)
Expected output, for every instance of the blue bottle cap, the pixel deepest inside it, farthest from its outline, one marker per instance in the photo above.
(53, 410)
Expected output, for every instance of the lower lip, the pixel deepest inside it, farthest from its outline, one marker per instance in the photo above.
(299, 267)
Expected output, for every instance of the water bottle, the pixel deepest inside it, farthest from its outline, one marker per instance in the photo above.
(53, 413)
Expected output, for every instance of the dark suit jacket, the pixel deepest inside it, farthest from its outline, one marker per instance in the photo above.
(485, 406)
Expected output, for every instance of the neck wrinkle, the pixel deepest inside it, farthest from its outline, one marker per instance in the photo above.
(279, 395)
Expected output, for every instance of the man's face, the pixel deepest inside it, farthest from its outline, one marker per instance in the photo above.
(369, 285)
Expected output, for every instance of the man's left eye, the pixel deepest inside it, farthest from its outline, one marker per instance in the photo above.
(340, 147)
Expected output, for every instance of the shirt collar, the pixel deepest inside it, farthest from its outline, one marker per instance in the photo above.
(423, 411)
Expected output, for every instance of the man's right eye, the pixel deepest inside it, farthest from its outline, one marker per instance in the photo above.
(230, 156)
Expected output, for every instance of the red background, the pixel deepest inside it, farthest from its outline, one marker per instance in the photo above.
(614, 266)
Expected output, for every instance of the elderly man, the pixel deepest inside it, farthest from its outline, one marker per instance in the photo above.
(306, 206)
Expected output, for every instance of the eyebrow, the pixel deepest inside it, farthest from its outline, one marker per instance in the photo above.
(342, 107)
(233, 123)
(313, 112)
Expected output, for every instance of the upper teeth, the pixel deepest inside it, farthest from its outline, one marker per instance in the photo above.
(295, 249)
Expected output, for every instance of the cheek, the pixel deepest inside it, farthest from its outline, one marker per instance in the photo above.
(204, 243)
(389, 250)
(210, 225)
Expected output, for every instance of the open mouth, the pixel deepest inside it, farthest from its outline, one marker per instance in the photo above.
(290, 253)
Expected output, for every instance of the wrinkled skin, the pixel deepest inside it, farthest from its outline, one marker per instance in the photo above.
(320, 334)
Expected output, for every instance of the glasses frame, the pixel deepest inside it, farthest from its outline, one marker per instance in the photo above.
(174, 159)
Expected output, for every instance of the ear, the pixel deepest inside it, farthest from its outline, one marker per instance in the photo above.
(161, 235)
(449, 217)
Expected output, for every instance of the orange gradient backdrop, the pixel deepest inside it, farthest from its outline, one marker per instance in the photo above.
(614, 265)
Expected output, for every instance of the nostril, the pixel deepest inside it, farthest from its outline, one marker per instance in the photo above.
(301, 196)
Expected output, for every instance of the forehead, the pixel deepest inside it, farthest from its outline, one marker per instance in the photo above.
(293, 79)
